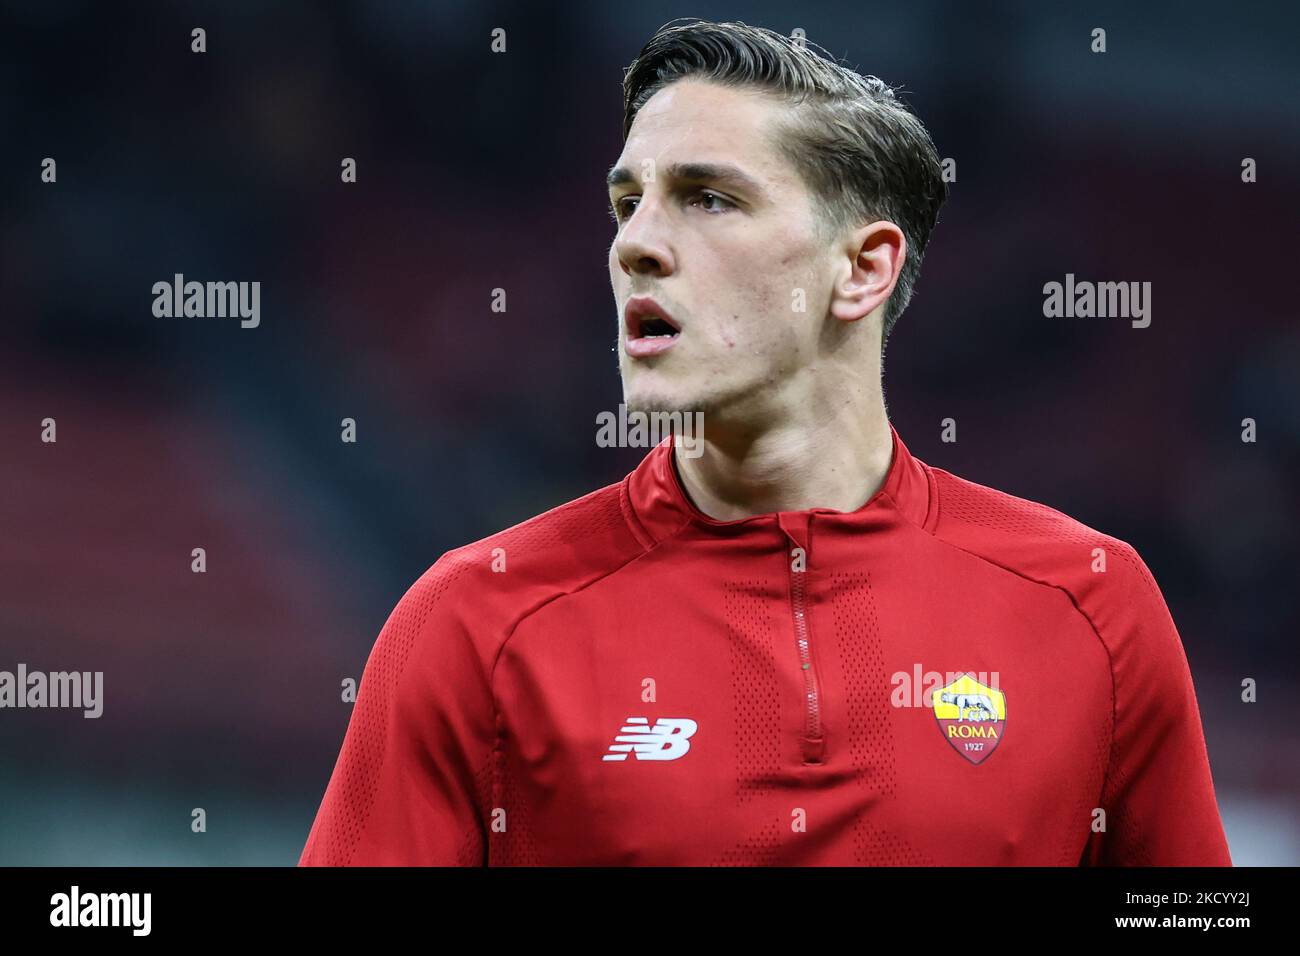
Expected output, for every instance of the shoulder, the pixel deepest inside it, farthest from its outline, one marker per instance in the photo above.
(484, 588)
(1105, 576)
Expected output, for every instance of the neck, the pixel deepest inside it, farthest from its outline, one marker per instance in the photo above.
(825, 455)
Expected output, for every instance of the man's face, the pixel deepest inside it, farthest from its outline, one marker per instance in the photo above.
(723, 256)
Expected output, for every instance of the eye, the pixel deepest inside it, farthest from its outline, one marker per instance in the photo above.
(619, 211)
(710, 194)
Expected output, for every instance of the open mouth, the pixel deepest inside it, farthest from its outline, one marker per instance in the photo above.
(653, 327)
(644, 318)
(650, 329)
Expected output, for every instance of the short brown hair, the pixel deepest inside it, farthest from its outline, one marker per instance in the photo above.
(861, 152)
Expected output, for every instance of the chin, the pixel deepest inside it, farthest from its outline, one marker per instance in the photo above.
(648, 397)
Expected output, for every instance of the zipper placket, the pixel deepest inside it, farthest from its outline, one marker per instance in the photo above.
(813, 743)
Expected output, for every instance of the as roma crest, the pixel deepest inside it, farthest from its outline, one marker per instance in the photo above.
(971, 716)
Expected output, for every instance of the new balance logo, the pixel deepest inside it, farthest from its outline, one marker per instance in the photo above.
(668, 739)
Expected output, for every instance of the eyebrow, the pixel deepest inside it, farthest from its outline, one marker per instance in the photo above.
(721, 174)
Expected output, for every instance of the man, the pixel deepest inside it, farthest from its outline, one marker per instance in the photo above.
(803, 646)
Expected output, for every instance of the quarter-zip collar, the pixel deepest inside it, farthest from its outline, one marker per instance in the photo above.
(657, 506)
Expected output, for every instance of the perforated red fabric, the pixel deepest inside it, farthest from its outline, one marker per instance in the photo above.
(755, 688)
(626, 681)
(350, 796)
(1156, 740)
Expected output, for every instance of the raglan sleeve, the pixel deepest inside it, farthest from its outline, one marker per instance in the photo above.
(412, 778)
(1158, 796)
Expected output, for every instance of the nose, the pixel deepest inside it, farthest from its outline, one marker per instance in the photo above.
(641, 245)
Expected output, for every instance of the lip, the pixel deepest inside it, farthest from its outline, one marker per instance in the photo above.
(635, 311)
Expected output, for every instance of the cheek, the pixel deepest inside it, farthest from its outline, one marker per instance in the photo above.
(743, 294)
(752, 313)
(751, 290)
(796, 290)
(771, 300)
(784, 307)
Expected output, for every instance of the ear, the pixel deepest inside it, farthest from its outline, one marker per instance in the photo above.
(873, 258)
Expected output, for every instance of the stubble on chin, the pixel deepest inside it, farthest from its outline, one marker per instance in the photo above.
(649, 402)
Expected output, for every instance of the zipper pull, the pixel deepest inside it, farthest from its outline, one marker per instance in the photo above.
(795, 526)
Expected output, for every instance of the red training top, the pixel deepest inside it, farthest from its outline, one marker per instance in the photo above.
(949, 675)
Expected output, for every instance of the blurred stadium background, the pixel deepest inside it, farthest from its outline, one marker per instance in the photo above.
(479, 171)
